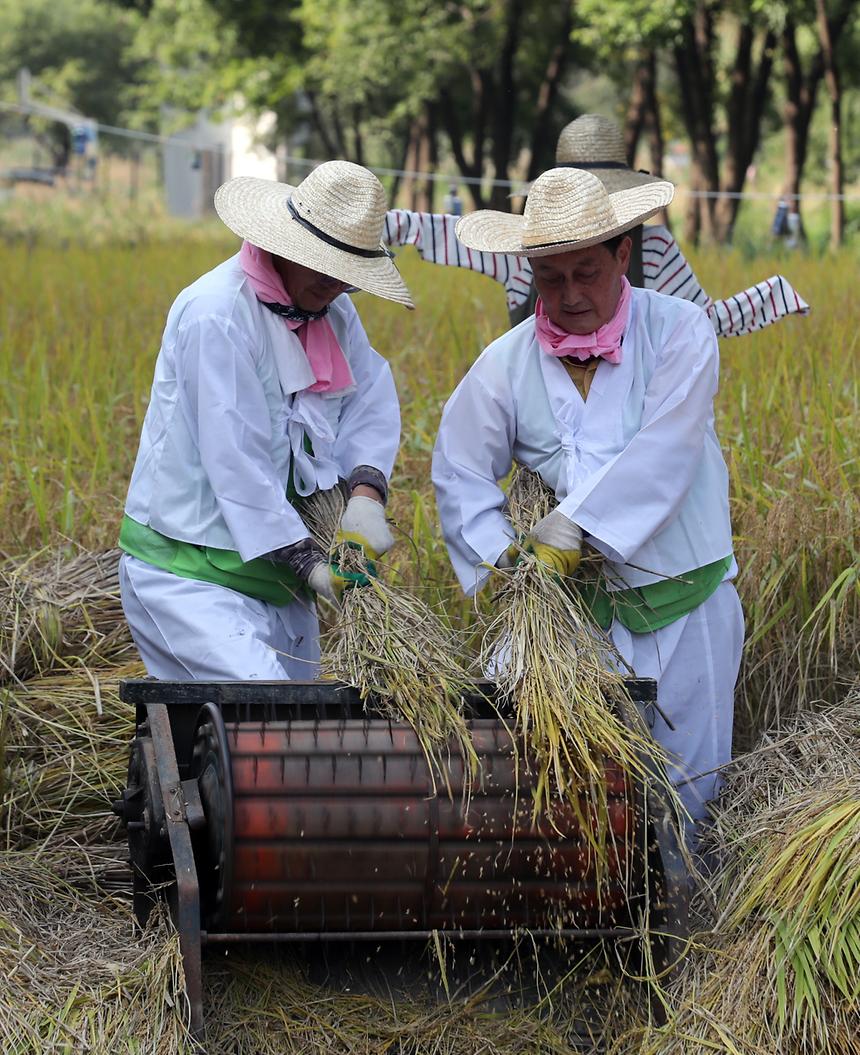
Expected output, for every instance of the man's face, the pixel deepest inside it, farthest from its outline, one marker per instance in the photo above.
(308, 289)
(580, 289)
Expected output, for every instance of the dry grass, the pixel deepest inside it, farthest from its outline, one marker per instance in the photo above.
(56, 609)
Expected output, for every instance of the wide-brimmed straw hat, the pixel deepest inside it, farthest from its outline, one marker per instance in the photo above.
(331, 222)
(596, 144)
(566, 209)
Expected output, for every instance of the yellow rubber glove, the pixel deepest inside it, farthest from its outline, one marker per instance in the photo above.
(563, 562)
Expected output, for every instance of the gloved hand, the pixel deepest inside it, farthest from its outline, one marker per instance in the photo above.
(308, 561)
(327, 580)
(555, 541)
(363, 523)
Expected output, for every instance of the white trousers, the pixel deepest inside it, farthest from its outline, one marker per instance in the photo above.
(695, 661)
(186, 630)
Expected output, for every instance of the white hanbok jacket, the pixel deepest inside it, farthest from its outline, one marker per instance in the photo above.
(638, 466)
(229, 411)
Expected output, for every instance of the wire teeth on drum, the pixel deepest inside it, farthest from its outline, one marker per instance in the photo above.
(263, 731)
(316, 731)
(307, 769)
(333, 768)
(289, 731)
(360, 767)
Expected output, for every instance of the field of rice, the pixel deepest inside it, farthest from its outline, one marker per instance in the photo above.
(79, 330)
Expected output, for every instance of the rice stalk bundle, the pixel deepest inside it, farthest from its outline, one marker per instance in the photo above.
(77, 978)
(396, 651)
(780, 970)
(572, 709)
(54, 609)
(64, 753)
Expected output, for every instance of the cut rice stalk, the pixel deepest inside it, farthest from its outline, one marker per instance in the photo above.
(396, 651)
(563, 676)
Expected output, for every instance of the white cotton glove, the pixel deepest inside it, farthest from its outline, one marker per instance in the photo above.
(557, 542)
(322, 582)
(363, 522)
(557, 531)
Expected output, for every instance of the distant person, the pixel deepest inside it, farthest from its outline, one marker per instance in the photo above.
(596, 144)
(453, 203)
(266, 389)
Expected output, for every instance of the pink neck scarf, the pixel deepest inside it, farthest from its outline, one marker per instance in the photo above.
(318, 339)
(605, 342)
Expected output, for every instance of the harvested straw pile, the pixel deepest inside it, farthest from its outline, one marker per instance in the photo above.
(54, 609)
(394, 648)
(779, 973)
(74, 979)
(64, 743)
(561, 674)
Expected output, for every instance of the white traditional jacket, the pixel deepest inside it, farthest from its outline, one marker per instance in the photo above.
(229, 412)
(665, 269)
(638, 466)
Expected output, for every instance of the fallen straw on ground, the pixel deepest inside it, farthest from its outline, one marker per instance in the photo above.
(55, 609)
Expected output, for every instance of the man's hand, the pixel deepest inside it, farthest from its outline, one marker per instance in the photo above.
(555, 541)
(310, 564)
(363, 523)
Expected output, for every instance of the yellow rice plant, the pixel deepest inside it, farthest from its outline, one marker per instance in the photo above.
(779, 972)
(396, 651)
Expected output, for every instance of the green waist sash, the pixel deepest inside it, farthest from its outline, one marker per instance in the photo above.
(645, 608)
(258, 578)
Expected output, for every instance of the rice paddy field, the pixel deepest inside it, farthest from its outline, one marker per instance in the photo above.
(776, 966)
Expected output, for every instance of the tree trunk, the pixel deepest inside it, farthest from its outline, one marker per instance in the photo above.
(634, 119)
(505, 106)
(654, 128)
(541, 148)
(399, 165)
(451, 123)
(694, 63)
(831, 76)
(744, 113)
(321, 126)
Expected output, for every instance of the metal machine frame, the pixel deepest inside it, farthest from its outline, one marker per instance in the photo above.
(162, 810)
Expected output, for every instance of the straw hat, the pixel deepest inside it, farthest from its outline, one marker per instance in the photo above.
(596, 144)
(566, 209)
(331, 222)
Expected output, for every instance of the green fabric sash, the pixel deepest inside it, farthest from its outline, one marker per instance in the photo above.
(258, 578)
(643, 609)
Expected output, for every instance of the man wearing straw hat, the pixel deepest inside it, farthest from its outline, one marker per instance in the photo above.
(606, 392)
(596, 144)
(266, 389)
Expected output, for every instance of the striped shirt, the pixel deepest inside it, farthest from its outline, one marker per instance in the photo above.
(664, 267)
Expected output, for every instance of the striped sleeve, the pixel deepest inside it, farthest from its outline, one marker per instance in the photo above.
(760, 305)
(433, 236)
(665, 268)
(667, 271)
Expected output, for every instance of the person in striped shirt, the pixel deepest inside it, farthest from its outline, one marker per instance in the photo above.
(595, 143)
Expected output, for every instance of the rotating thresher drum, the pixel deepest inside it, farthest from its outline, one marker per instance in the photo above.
(288, 812)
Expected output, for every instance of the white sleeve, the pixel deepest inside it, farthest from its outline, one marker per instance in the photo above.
(225, 406)
(637, 493)
(368, 432)
(473, 452)
(433, 236)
